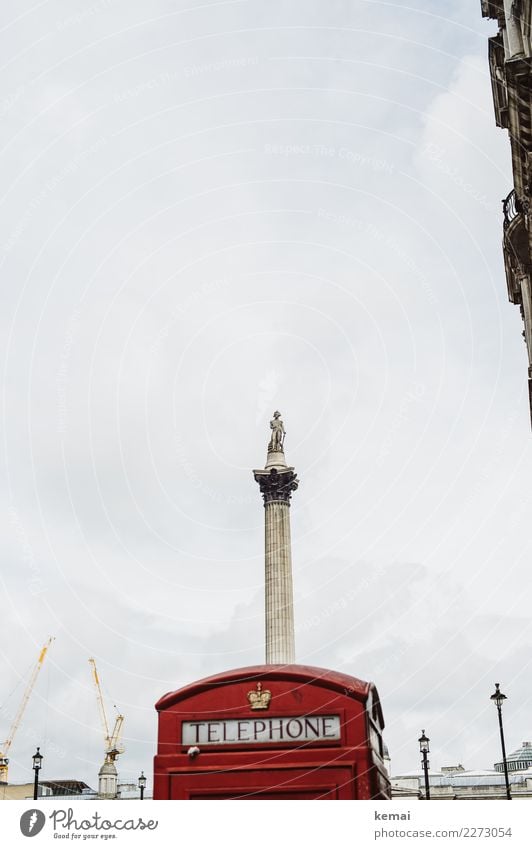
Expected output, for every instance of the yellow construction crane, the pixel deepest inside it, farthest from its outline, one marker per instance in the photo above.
(4, 760)
(112, 747)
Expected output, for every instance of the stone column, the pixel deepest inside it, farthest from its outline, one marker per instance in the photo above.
(513, 29)
(277, 481)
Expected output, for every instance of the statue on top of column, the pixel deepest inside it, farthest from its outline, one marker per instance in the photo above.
(278, 433)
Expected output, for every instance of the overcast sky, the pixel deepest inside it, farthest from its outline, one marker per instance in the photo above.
(210, 211)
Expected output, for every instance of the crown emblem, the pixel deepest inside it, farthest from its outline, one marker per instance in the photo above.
(259, 699)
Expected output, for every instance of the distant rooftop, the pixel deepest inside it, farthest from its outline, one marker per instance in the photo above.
(519, 760)
(465, 777)
(67, 787)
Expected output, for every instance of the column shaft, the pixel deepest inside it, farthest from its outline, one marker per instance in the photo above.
(280, 643)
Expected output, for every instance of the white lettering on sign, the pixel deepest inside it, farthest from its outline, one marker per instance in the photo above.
(284, 729)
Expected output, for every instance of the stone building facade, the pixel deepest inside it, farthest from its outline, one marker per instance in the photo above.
(456, 782)
(510, 63)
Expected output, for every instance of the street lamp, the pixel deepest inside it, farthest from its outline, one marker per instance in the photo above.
(37, 763)
(424, 749)
(142, 784)
(498, 699)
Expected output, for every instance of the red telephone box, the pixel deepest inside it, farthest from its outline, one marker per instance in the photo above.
(271, 732)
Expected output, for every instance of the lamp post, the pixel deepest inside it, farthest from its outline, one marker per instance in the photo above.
(498, 698)
(424, 749)
(37, 763)
(142, 784)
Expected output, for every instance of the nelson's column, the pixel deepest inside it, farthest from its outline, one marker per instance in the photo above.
(322, 736)
(277, 481)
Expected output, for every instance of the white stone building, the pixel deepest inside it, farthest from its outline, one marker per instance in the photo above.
(455, 782)
(510, 63)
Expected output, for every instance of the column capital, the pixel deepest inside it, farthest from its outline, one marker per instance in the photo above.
(276, 484)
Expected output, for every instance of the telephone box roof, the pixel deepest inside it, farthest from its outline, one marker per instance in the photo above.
(296, 674)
